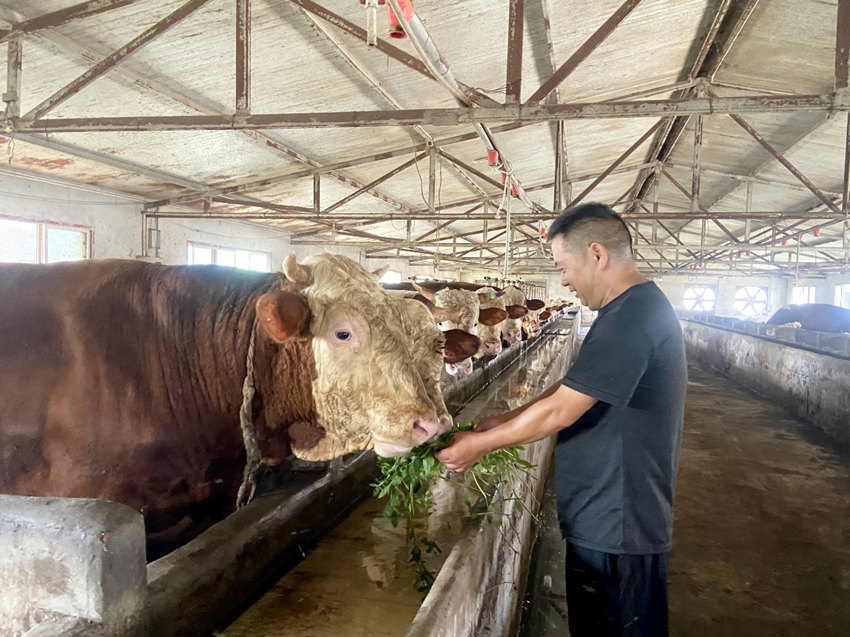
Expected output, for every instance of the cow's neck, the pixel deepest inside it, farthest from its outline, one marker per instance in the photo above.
(284, 375)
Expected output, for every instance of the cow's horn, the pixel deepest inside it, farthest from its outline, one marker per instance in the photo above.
(380, 272)
(295, 272)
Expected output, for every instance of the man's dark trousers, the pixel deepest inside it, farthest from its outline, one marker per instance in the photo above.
(611, 595)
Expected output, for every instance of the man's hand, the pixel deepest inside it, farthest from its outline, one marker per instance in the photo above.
(464, 451)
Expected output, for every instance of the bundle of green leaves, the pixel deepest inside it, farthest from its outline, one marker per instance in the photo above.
(407, 483)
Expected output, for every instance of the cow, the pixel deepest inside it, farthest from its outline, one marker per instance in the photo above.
(124, 380)
(432, 347)
(490, 318)
(467, 307)
(531, 321)
(515, 307)
(818, 317)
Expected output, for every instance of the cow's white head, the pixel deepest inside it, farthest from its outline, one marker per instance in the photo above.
(491, 315)
(367, 390)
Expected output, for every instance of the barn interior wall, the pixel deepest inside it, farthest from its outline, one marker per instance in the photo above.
(115, 221)
(725, 288)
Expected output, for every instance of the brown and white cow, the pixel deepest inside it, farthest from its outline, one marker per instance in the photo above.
(123, 380)
(531, 321)
(490, 318)
(515, 307)
(466, 306)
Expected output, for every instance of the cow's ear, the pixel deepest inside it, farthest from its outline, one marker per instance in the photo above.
(283, 314)
(460, 345)
(491, 316)
(426, 293)
(295, 272)
(534, 304)
(516, 311)
(380, 272)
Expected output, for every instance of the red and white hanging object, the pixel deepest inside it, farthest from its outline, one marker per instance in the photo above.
(395, 28)
(817, 232)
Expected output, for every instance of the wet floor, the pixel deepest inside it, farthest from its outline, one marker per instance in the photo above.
(762, 525)
(357, 581)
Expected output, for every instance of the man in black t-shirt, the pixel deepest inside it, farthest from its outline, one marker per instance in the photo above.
(618, 418)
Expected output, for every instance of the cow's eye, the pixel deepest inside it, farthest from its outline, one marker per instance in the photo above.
(342, 335)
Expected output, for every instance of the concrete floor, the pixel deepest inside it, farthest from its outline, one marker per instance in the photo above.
(762, 526)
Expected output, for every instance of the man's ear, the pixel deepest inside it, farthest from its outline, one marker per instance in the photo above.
(598, 253)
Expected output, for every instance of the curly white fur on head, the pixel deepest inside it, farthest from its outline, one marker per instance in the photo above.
(371, 391)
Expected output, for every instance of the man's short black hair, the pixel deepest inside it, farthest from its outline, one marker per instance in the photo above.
(588, 223)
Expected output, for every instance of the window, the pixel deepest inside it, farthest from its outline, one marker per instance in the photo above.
(201, 254)
(699, 298)
(24, 241)
(801, 294)
(750, 301)
(390, 276)
(842, 295)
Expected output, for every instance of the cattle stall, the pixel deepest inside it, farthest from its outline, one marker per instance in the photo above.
(202, 585)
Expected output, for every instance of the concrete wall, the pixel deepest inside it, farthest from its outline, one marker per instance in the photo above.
(63, 559)
(813, 386)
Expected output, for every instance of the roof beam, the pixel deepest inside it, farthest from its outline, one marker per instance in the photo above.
(616, 163)
(448, 116)
(243, 57)
(513, 70)
(111, 60)
(782, 160)
(180, 97)
(63, 16)
(296, 213)
(722, 33)
(842, 45)
(12, 96)
(383, 46)
(580, 54)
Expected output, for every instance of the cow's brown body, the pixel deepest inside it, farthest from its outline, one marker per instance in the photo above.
(123, 380)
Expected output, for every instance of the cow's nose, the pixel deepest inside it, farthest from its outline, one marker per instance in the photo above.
(426, 428)
(492, 347)
(465, 367)
(452, 368)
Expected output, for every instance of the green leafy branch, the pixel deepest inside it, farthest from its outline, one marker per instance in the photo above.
(407, 482)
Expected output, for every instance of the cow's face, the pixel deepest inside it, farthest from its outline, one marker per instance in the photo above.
(427, 347)
(467, 305)
(490, 318)
(367, 390)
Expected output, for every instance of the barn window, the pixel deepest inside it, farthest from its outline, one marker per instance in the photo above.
(390, 276)
(750, 301)
(23, 241)
(699, 298)
(842, 295)
(801, 294)
(202, 254)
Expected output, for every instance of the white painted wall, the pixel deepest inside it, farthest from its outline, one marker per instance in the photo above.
(116, 224)
(725, 287)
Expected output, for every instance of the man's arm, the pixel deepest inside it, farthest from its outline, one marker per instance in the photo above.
(537, 420)
(499, 419)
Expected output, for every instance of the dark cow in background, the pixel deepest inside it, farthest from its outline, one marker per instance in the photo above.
(123, 380)
(818, 317)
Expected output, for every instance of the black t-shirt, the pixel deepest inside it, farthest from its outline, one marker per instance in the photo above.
(615, 468)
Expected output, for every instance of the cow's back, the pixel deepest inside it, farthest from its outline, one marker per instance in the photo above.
(818, 317)
(120, 379)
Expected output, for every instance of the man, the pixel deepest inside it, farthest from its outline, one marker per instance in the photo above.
(618, 416)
